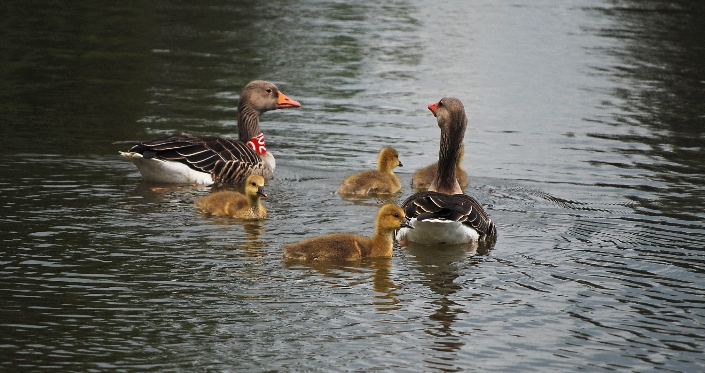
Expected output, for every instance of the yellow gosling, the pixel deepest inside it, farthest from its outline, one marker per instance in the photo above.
(347, 246)
(381, 181)
(232, 204)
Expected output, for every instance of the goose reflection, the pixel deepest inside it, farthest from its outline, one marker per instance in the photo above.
(373, 201)
(251, 245)
(440, 269)
(382, 283)
(149, 192)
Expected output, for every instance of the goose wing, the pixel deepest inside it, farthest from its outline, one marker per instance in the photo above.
(227, 160)
(454, 207)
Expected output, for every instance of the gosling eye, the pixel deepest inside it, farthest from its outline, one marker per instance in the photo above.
(396, 214)
(254, 184)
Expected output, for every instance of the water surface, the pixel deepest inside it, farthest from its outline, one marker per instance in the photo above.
(585, 143)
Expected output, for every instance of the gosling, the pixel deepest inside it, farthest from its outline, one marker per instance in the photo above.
(381, 181)
(422, 178)
(337, 247)
(232, 204)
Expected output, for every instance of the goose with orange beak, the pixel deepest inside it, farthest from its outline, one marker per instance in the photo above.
(189, 159)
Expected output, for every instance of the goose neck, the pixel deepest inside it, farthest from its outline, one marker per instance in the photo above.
(448, 156)
(247, 122)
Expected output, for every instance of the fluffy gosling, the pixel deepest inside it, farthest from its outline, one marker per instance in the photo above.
(227, 203)
(347, 246)
(381, 181)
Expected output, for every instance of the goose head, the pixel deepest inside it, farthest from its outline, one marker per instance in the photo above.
(256, 98)
(264, 96)
(450, 114)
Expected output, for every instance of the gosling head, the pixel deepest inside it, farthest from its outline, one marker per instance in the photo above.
(254, 186)
(388, 159)
(391, 217)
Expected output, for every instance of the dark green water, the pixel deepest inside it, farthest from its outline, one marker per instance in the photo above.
(586, 142)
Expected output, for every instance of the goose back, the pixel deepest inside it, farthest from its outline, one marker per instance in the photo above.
(228, 161)
(459, 208)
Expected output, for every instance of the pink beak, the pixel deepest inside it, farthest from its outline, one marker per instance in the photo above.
(433, 108)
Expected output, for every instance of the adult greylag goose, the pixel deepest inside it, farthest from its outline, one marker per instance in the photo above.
(231, 204)
(349, 246)
(443, 214)
(380, 181)
(422, 179)
(189, 159)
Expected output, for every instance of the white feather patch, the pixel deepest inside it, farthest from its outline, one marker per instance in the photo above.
(160, 171)
(438, 232)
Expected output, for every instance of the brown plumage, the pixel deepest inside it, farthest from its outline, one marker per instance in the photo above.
(423, 178)
(381, 181)
(348, 246)
(231, 204)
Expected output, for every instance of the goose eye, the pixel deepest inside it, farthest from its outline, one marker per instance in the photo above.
(269, 90)
(440, 103)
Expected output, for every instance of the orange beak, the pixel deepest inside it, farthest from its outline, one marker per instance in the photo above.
(284, 102)
(433, 108)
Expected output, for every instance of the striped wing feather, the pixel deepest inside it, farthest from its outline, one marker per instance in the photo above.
(454, 207)
(227, 160)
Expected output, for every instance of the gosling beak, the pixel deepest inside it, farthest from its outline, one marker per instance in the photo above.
(284, 102)
(405, 223)
(433, 108)
(400, 165)
(261, 193)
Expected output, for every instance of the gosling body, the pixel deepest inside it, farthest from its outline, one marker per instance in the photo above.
(349, 246)
(380, 181)
(231, 204)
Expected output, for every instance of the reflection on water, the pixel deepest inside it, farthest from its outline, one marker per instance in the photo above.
(440, 269)
(660, 63)
(376, 272)
(584, 144)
